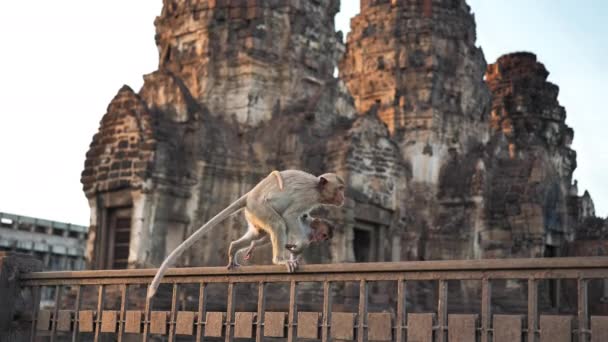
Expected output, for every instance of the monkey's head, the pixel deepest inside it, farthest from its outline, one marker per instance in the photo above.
(320, 229)
(331, 189)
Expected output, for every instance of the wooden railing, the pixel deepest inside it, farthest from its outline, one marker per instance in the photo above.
(132, 314)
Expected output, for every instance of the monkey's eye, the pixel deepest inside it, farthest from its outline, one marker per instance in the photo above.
(305, 216)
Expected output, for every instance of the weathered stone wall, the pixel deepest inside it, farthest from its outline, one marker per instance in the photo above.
(246, 59)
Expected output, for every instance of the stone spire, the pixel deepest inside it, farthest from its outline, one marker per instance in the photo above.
(248, 59)
(526, 110)
(418, 61)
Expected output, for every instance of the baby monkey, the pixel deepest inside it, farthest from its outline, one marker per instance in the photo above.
(318, 229)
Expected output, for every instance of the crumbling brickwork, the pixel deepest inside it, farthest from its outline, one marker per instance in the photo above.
(119, 154)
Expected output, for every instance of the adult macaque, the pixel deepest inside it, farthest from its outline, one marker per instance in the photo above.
(315, 229)
(273, 210)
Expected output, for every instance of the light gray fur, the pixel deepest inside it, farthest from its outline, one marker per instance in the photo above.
(278, 208)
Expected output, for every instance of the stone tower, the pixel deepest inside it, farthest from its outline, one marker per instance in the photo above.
(248, 59)
(417, 62)
(532, 206)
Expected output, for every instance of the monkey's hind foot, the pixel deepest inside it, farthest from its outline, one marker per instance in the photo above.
(233, 266)
(248, 254)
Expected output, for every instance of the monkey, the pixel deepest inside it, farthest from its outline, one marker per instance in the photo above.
(254, 232)
(318, 229)
(273, 210)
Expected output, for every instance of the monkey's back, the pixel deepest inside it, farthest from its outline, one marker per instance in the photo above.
(299, 192)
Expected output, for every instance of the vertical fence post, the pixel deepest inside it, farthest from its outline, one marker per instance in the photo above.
(532, 309)
(583, 311)
(259, 332)
(442, 310)
(99, 311)
(147, 308)
(230, 313)
(401, 311)
(326, 311)
(173, 315)
(55, 320)
(123, 312)
(77, 313)
(201, 312)
(293, 311)
(362, 311)
(486, 309)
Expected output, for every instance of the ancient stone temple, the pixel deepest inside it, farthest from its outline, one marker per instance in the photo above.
(439, 163)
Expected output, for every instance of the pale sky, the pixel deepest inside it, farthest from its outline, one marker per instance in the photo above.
(62, 62)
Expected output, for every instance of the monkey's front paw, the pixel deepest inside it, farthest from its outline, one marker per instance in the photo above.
(292, 265)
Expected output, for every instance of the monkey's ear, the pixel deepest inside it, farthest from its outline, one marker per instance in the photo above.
(322, 181)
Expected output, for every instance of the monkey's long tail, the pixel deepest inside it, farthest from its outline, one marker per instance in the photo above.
(231, 209)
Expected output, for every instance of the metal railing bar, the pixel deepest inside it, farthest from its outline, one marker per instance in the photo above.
(374, 267)
(386, 276)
